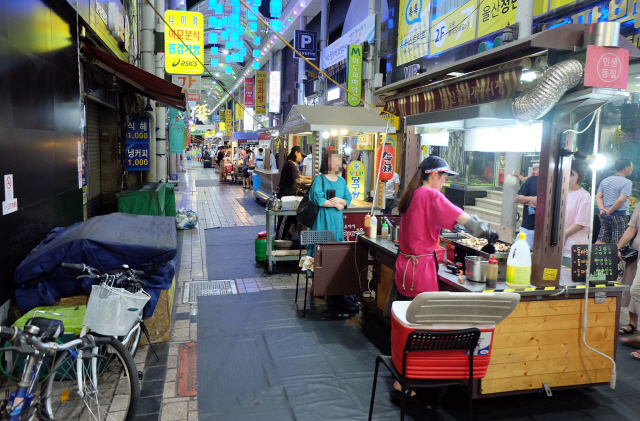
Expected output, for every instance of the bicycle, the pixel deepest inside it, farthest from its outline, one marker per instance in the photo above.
(105, 390)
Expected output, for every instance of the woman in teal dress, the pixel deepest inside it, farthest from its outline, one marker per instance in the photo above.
(330, 215)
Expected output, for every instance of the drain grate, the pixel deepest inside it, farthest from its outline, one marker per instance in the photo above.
(195, 289)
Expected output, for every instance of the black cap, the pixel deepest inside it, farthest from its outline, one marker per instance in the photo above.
(434, 164)
(297, 149)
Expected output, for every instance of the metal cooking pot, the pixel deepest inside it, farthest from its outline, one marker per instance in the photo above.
(475, 268)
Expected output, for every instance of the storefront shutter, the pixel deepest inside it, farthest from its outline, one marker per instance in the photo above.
(94, 188)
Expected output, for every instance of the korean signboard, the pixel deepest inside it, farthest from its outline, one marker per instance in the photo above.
(454, 28)
(305, 42)
(176, 131)
(337, 51)
(191, 84)
(137, 145)
(261, 93)
(413, 30)
(248, 119)
(222, 114)
(355, 179)
(392, 119)
(495, 15)
(607, 67)
(274, 92)
(228, 115)
(184, 42)
(239, 112)
(248, 91)
(365, 142)
(354, 75)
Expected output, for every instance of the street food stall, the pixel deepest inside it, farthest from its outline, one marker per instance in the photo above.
(338, 128)
(242, 140)
(540, 346)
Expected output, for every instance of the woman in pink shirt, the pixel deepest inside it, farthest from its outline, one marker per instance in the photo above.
(425, 211)
(578, 213)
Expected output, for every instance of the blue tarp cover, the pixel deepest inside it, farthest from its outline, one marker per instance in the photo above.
(106, 243)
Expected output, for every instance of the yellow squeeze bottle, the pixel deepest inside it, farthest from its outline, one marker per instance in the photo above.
(519, 264)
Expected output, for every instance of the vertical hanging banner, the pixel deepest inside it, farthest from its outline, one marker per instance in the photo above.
(496, 15)
(248, 91)
(137, 145)
(228, 115)
(176, 131)
(355, 179)
(453, 28)
(274, 92)
(413, 30)
(239, 112)
(354, 75)
(184, 58)
(261, 93)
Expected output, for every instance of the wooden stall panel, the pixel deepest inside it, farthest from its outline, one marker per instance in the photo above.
(337, 272)
(541, 341)
(386, 277)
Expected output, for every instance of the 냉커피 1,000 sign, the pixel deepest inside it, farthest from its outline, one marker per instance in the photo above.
(137, 145)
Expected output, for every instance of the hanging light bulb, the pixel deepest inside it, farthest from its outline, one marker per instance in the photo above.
(334, 133)
(343, 132)
(326, 135)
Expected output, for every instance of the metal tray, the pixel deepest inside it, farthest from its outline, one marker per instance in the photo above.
(473, 252)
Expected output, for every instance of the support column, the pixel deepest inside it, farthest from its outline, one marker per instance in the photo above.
(147, 41)
(161, 112)
(369, 63)
(524, 18)
(301, 66)
(324, 25)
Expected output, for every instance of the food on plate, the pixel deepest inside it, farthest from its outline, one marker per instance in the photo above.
(478, 243)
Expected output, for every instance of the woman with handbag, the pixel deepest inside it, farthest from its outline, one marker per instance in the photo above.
(629, 255)
(578, 212)
(329, 191)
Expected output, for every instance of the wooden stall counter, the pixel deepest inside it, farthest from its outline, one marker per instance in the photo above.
(541, 341)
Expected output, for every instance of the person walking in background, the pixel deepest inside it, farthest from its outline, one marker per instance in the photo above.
(259, 159)
(246, 182)
(391, 188)
(527, 196)
(221, 161)
(307, 163)
(613, 201)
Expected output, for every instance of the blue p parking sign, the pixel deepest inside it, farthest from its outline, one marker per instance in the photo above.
(305, 42)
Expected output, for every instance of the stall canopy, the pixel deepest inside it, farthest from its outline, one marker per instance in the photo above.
(245, 138)
(311, 118)
(143, 82)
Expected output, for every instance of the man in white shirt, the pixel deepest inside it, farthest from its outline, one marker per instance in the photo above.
(259, 160)
(390, 192)
(307, 164)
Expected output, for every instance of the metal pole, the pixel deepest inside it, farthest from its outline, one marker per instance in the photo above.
(370, 63)
(324, 20)
(161, 112)
(301, 65)
(524, 18)
(147, 39)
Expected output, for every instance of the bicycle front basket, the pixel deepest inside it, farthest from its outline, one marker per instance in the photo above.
(113, 311)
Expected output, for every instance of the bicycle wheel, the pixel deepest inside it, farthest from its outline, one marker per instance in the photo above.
(109, 382)
(132, 340)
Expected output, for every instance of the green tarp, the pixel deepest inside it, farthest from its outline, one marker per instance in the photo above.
(155, 199)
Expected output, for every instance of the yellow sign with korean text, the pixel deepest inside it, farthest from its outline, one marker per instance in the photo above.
(184, 42)
(392, 119)
(228, 132)
(496, 15)
(222, 126)
(261, 93)
(228, 115)
(453, 28)
(239, 112)
(413, 30)
(355, 179)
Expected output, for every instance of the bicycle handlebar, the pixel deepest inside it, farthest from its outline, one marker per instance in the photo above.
(13, 334)
(74, 266)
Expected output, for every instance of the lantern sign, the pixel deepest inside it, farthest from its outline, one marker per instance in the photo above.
(355, 179)
(388, 162)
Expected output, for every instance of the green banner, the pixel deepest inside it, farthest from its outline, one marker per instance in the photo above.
(354, 75)
(176, 131)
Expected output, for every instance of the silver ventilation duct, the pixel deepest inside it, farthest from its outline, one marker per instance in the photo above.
(538, 101)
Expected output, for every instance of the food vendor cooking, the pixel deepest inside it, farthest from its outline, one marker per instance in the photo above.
(425, 211)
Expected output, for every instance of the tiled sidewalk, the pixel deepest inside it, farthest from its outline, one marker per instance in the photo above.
(216, 206)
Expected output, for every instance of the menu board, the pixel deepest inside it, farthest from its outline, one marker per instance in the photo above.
(604, 262)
